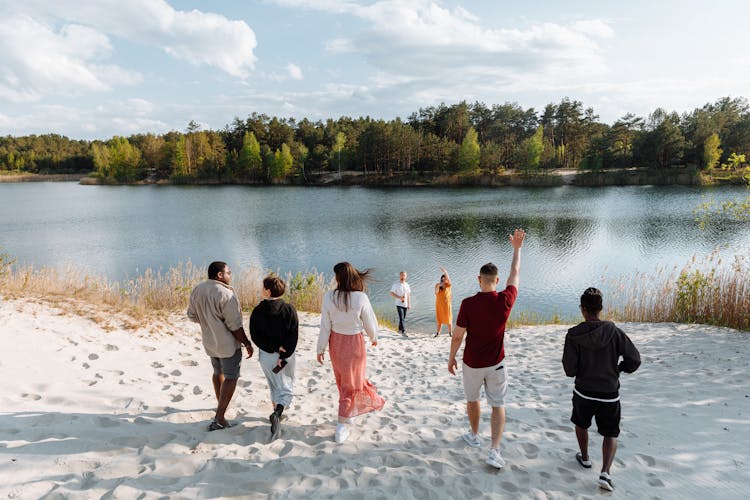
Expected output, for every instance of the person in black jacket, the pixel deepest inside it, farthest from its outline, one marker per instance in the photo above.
(592, 355)
(274, 328)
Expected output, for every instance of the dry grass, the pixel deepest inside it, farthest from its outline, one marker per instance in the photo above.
(152, 294)
(705, 291)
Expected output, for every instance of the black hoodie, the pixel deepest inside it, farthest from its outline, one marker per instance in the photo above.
(274, 324)
(591, 354)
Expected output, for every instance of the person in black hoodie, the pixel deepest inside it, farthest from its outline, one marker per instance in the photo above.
(592, 355)
(274, 328)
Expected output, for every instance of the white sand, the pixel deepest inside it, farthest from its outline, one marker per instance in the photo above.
(90, 413)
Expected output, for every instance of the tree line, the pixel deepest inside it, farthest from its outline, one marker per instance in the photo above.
(462, 138)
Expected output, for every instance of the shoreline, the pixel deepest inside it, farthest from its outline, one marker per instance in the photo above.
(678, 176)
(124, 414)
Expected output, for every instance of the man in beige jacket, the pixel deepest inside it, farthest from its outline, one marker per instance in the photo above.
(215, 306)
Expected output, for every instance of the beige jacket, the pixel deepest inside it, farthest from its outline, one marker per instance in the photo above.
(215, 306)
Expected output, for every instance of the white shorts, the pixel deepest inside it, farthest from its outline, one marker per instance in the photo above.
(493, 378)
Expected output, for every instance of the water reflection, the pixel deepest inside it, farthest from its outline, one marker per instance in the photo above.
(578, 237)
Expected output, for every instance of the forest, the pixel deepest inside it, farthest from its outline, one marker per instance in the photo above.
(458, 139)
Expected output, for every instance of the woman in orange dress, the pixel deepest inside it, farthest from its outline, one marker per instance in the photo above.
(443, 302)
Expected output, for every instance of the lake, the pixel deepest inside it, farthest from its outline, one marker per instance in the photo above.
(577, 237)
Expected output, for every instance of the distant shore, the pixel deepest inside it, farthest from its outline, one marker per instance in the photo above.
(678, 176)
(26, 177)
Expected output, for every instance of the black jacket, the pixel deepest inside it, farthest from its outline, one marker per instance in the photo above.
(591, 354)
(274, 324)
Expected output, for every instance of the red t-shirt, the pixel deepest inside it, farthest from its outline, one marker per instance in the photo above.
(484, 316)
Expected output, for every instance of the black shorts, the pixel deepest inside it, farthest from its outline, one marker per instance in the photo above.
(607, 415)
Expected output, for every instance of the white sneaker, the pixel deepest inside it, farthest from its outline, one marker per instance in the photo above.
(472, 439)
(605, 482)
(495, 459)
(342, 432)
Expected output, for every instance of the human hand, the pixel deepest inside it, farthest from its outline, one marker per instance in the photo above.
(452, 365)
(249, 348)
(374, 343)
(516, 239)
(281, 349)
(321, 357)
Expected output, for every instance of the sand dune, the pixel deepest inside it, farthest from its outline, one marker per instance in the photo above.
(92, 411)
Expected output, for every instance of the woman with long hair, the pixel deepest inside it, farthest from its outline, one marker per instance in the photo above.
(347, 314)
(443, 297)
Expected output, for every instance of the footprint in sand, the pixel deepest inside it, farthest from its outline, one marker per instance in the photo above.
(530, 449)
(175, 373)
(110, 347)
(148, 348)
(156, 364)
(645, 459)
(93, 356)
(197, 390)
(508, 486)
(86, 365)
(35, 397)
(655, 481)
(177, 398)
(189, 362)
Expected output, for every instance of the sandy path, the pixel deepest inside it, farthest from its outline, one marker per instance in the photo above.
(89, 413)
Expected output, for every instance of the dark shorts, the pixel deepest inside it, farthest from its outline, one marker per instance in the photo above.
(229, 367)
(607, 415)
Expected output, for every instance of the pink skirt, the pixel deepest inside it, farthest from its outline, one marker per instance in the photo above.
(349, 359)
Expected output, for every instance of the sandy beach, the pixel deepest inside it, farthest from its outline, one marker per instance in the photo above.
(93, 409)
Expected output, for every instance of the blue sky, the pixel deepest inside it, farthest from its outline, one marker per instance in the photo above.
(117, 67)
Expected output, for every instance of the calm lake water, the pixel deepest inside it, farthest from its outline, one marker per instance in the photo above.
(577, 237)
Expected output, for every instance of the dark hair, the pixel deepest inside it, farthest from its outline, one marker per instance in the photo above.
(215, 268)
(348, 279)
(591, 300)
(275, 285)
(488, 272)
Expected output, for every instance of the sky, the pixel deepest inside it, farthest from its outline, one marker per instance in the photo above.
(95, 69)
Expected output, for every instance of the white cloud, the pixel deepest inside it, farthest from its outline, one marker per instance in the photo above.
(295, 72)
(417, 43)
(340, 46)
(36, 59)
(62, 46)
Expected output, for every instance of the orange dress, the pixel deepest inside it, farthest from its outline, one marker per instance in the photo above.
(443, 305)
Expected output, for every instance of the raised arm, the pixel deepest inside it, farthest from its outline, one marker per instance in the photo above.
(516, 241)
(447, 276)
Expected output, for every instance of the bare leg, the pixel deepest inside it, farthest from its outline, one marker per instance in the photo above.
(472, 411)
(583, 441)
(225, 395)
(609, 447)
(497, 423)
(217, 381)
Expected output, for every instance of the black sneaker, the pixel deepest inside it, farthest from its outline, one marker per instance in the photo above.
(275, 425)
(605, 482)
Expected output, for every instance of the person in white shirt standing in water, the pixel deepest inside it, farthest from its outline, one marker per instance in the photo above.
(401, 293)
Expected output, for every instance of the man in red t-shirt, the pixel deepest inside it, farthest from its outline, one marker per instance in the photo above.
(482, 318)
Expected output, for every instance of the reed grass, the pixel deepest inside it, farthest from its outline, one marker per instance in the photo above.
(153, 292)
(705, 291)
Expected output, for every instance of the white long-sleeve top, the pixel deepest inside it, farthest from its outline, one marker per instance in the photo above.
(359, 317)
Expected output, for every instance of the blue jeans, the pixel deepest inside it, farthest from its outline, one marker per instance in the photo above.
(401, 317)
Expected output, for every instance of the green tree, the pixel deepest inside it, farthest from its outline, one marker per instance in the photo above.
(118, 160)
(469, 152)
(338, 145)
(249, 160)
(532, 150)
(711, 151)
